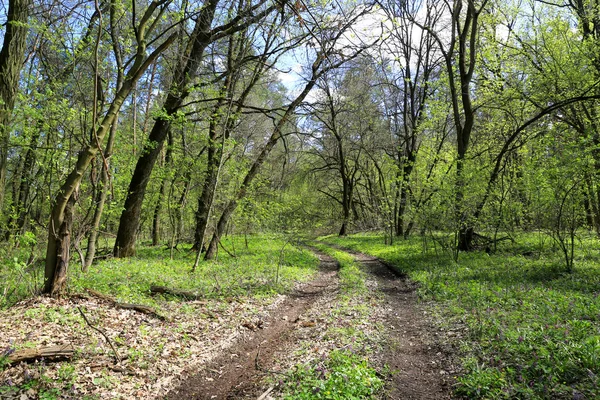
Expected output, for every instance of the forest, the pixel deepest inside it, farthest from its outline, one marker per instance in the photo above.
(300, 199)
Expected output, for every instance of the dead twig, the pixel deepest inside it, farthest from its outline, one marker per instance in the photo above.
(117, 358)
(127, 306)
(265, 394)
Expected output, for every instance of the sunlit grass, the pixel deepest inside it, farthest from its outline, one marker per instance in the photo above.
(534, 329)
(345, 371)
(269, 265)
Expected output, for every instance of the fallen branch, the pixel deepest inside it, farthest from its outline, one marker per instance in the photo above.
(127, 306)
(51, 353)
(117, 358)
(227, 251)
(265, 394)
(156, 289)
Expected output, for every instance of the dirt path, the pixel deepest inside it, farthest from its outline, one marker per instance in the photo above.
(420, 368)
(238, 372)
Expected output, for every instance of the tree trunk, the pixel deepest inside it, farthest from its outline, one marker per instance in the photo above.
(63, 248)
(157, 211)
(185, 74)
(209, 187)
(465, 238)
(100, 199)
(21, 189)
(346, 199)
(161, 194)
(11, 61)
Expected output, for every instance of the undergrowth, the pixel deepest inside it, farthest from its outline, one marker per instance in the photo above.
(533, 329)
(341, 376)
(267, 266)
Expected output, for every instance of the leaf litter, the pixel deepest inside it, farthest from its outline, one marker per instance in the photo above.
(155, 354)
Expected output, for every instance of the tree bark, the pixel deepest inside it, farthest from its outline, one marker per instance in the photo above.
(63, 248)
(12, 56)
(205, 201)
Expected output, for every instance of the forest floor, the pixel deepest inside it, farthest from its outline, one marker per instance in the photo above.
(419, 365)
(238, 348)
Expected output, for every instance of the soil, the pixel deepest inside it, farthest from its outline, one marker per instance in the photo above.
(420, 367)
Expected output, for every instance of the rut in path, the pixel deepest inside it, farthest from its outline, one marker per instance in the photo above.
(420, 369)
(237, 373)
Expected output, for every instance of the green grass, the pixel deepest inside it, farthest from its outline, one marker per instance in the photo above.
(533, 329)
(341, 376)
(266, 267)
(269, 265)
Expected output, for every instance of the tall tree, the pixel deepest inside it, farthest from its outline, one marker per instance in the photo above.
(12, 56)
(185, 76)
(61, 218)
(408, 87)
(459, 52)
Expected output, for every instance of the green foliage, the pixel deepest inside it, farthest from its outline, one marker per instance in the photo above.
(20, 274)
(269, 265)
(532, 329)
(341, 376)
(252, 272)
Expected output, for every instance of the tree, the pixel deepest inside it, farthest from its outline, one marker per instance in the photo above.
(12, 56)
(61, 218)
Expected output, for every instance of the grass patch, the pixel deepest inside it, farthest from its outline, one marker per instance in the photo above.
(534, 330)
(266, 267)
(341, 376)
(344, 372)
